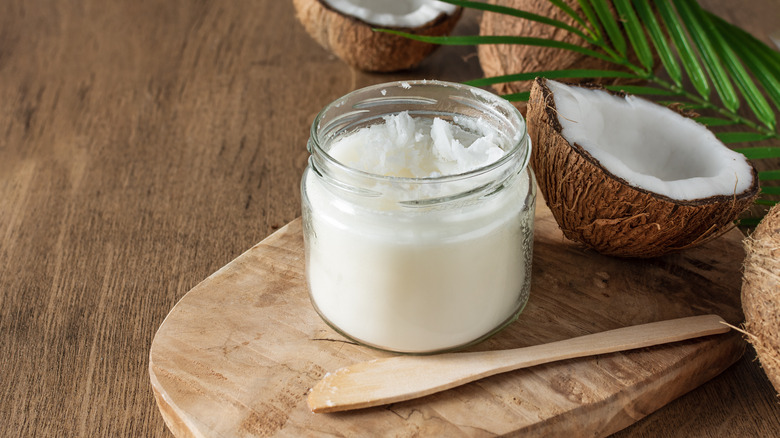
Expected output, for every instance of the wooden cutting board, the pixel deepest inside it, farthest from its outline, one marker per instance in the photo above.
(238, 354)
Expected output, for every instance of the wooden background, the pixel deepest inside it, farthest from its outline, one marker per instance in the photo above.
(145, 144)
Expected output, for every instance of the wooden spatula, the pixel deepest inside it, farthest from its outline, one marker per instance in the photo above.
(395, 379)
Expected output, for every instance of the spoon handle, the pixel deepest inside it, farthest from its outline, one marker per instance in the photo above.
(399, 378)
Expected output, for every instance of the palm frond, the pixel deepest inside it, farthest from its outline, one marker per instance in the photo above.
(758, 153)
(635, 32)
(592, 21)
(749, 90)
(497, 39)
(766, 71)
(741, 136)
(519, 14)
(750, 222)
(518, 97)
(712, 64)
(641, 89)
(668, 60)
(610, 25)
(573, 14)
(681, 43)
(715, 121)
(552, 74)
(769, 175)
(714, 54)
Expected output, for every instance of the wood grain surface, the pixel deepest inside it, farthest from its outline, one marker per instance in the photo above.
(146, 143)
(238, 354)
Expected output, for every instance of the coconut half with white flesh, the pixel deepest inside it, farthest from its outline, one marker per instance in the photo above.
(631, 178)
(345, 28)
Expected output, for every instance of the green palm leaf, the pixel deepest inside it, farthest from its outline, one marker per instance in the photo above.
(715, 121)
(741, 137)
(640, 89)
(683, 46)
(593, 22)
(712, 65)
(497, 39)
(744, 44)
(519, 14)
(570, 12)
(552, 74)
(750, 222)
(518, 97)
(710, 60)
(610, 25)
(686, 105)
(740, 68)
(769, 175)
(757, 153)
(744, 83)
(636, 33)
(646, 16)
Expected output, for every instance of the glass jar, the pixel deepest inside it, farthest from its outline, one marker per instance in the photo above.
(418, 264)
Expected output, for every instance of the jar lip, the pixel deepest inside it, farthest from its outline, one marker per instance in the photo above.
(523, 144)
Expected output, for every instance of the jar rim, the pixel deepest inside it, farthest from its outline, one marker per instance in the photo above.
(521, 145)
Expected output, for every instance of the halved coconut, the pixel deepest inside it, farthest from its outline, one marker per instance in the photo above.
(503, 59)
(631, 178)
(345, 28)
(761, 293)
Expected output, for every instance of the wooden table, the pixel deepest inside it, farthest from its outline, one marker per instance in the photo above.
(145, 144)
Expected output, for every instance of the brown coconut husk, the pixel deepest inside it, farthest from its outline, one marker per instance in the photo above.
(761, 293)
(503, 59)
(354, 42)
(606, 213)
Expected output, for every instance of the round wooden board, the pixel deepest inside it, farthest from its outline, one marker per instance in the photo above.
(238, 354)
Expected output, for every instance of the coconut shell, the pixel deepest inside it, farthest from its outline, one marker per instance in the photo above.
(354, 42)
(503, 59)
(761, 293)
(605, 212)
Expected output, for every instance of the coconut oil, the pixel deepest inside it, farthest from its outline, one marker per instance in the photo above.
(418, 215)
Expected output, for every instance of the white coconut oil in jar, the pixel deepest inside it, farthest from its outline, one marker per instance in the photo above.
(418, 207)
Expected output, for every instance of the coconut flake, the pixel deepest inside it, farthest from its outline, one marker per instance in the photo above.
(406, 146)
(649, 146)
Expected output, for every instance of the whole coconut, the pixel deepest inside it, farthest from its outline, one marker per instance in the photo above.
(761, 293)
(503, 59)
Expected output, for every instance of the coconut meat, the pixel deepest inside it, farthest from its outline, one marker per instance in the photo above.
(395, 13)
(649, 146)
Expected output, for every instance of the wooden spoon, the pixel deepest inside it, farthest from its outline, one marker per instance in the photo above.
(399, 378)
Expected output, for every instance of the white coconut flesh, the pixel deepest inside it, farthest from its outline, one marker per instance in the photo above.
(649, 146)
(393, 13)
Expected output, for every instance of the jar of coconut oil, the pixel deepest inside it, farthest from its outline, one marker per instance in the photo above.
(418, 206)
